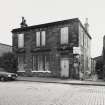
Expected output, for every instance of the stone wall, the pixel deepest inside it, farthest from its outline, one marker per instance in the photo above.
(51, 47)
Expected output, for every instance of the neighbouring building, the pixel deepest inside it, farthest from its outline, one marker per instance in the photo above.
(97, 66)
(94, 62)
(103, 52)
(57, 49)
(4, 48)
(93, 66)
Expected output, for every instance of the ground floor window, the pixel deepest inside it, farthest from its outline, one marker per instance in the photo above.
(46, 63)
(34, 65)
(21, 63)
(40, 63)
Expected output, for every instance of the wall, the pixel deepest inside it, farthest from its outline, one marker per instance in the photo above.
(5, 48)
(85, 43)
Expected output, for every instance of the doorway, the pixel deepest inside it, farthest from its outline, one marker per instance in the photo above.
(65, 67)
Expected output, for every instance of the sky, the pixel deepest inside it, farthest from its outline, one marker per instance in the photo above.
(44, 11)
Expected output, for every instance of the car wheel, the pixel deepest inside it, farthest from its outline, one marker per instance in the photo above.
(2, 79)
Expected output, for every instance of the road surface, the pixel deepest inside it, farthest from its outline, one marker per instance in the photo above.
(34, 93)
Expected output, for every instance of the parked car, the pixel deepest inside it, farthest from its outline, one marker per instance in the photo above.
(7, 76)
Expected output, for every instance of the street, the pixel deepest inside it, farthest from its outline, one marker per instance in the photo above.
(35, 93)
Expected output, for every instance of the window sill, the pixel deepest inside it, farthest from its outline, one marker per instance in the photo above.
(20, 71)
(20, 50)
(44, 49)
(42, 71)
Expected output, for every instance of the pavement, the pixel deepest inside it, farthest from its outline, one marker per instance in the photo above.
(62, 81)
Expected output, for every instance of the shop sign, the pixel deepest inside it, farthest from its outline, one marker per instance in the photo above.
(76, 50)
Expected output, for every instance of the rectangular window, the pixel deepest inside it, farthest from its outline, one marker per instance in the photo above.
(37, 39)
(40, 63)
(43, 38)
(20, 59)
(34, 63)
(20, 40)
(64, 35)
(46, 64)
(20, 63)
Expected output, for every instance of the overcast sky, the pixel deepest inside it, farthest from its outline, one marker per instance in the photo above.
(44, 11)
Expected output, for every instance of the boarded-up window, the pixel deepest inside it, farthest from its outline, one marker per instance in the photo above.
(64, 35)
(20, 40)
(43, 38)
(37, 39)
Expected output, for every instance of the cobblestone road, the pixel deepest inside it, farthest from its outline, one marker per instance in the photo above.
(32, 93)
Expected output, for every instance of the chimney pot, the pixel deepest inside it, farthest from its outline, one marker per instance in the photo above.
(86, 25)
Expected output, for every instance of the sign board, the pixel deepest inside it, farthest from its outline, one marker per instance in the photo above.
(76, 50)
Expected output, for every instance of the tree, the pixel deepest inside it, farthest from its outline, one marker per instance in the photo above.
(8, 61)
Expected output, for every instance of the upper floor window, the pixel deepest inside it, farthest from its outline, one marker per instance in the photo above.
(40, 38)
(37, 39)
(43, 37)
(64, 35)
(20, 40)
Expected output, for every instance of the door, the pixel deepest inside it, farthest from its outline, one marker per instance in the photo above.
(64, 67)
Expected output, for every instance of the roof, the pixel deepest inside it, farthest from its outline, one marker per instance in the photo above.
(97, 58)
(49, 24)
(5, 45)
(4, 48)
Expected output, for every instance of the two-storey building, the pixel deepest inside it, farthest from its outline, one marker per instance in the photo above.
(57, 49)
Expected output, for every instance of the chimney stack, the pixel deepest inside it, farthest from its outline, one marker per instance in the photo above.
(23, 23)
(86, 25)
(104, 42)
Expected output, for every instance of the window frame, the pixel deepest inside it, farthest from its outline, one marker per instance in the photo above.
(38, 39)
(43, 38)
(64, 31)
(20, 40)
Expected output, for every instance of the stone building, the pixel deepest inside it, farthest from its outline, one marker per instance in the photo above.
(94, 62)
(57, 49)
